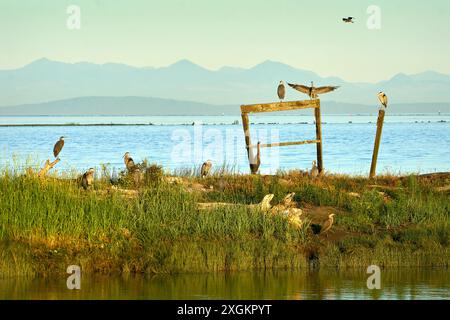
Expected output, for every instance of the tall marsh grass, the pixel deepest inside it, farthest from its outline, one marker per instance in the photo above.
(47, 224)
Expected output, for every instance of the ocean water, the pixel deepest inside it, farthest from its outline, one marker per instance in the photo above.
(410, 143)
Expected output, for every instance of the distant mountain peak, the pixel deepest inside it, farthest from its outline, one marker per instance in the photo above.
(42, 60)
(185, 64)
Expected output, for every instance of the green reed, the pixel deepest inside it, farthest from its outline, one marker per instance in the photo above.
(46, 224)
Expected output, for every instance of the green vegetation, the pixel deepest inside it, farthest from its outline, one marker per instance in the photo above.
(152, 225)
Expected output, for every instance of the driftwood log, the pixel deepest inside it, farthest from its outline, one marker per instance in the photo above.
(47, 167)
(286, 208)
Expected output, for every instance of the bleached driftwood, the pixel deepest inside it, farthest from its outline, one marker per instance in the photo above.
(47, 167)
(287, 208)
(264, 205)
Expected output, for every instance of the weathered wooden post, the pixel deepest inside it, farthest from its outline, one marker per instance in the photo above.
(281, 106)
(376, 147)
(248, 142)
(318, 136)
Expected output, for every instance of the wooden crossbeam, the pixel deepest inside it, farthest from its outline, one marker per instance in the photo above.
(280, 106)
(283, 144)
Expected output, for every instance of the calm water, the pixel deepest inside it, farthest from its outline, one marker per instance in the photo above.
(401, 284)
(410, 143)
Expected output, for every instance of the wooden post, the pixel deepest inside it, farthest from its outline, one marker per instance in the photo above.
(318, 137)
(281, 106)
(376, 147)
(246, 126)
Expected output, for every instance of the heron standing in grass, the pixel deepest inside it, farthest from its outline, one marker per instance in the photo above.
(129, 162)
(314, 170)
(319, 229)
(281, 91)
(58, 146)
(328, 224)
(206, 168)
(87, 180)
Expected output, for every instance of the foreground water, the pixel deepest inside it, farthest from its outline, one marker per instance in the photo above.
(326, 284)
(410, 143)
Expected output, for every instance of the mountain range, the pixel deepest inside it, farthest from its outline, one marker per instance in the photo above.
(156, 106)
(52, 86)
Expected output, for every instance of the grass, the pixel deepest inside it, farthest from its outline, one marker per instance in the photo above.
(48, 224)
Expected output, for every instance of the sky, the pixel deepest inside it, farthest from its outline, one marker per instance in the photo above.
(308, 35)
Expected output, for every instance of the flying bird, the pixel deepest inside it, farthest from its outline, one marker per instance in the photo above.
(206, 168)
(383, 98)
(256, 162)
(129, 162)
(348, 20)
(87, 180)
(281, 91)
(58, 146)
(312, 91)
(314, 170)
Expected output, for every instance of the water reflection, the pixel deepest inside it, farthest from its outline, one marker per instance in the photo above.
(325, 284)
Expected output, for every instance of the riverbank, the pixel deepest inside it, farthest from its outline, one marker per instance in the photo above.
(154, 225)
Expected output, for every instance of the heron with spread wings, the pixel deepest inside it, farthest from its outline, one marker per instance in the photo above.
(312, 91)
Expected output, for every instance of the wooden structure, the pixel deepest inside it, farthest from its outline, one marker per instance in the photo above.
(376, 147)
(283, 106)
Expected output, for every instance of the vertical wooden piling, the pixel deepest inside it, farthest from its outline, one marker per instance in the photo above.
(376, 147)
(318, 137)
(246, 126)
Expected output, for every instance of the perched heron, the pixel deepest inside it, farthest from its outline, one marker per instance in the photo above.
(206, 168)
(312, 91)
(327, 225)
(256, 162)
(87, 180)
(348, 20)
(314, 170)
(383, 98)
(58, 146)
(281, 91)
(129, 162)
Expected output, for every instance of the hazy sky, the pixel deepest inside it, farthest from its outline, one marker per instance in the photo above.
(414, 35)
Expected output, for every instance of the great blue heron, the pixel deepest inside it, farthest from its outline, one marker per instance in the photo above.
(58, 146)
(312, 91)
(281, 91)
(206, 168)
(129, 162)
(256, 162)
(325, 227)
(328, 224)
(314, 170)
(87, 180)
(348, 20)
(383, 98)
